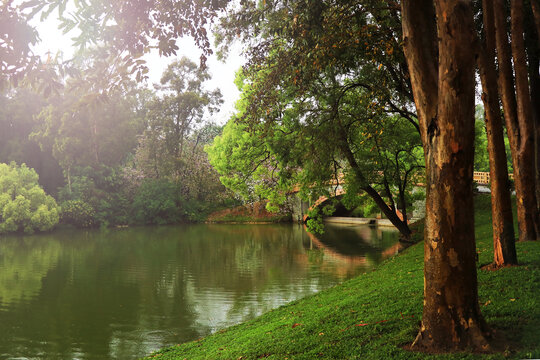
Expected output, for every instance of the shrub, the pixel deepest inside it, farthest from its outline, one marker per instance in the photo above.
(78, 213)
(24, 206)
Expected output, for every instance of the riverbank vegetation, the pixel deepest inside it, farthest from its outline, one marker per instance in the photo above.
(376, 315)
(133, 156)
(23, 203)
(253, 213)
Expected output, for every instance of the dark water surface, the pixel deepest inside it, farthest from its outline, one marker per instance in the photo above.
(123, 293)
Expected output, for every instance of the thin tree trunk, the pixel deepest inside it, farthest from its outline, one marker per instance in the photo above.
(504, 248)
(391, 214)
(506, 88)
(69, 179)
(451, 318)
(530, 227)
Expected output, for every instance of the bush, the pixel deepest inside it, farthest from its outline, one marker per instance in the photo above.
(156, 202)
(24, 206)
(101, 188)
(78, 213)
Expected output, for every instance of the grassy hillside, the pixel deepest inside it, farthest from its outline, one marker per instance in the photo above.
(373, 315)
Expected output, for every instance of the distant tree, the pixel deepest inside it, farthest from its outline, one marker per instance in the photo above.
(82, 127)
(157, 202)
(200, 182)
(24, 206)
(175, 113)
(19, 108)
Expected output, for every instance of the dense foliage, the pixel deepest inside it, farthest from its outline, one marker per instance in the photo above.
(97, 149)
(309, 96)
(156, 202)
(24, 206)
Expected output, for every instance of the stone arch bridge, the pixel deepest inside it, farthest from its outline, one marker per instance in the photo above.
(301, 208)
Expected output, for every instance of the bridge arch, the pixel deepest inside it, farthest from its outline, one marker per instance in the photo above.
(340, 191)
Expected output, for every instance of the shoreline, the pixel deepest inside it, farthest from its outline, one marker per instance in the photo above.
(374, 315)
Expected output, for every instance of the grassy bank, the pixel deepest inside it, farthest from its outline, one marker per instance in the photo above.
(373, 315)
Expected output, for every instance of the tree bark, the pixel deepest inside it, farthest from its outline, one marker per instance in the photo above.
(532, 43)
(504, 248)
(518, 128)
(535, 4)
(451, 318)
(531, 226)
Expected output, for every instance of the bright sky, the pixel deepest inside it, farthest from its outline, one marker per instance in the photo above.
(52, 40)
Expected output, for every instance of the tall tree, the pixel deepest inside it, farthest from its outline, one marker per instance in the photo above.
(439, 47)
(532, 41)
(525, 118)
(504, 249)
(174, 115)
(19, 108)
(517, 111)
(309, 58)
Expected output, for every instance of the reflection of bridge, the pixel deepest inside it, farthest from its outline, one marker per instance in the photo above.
(338, 190)
(352, 259)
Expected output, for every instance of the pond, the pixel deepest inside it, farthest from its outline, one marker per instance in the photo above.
(123, 293)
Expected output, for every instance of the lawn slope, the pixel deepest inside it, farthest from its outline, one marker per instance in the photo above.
(373, 315)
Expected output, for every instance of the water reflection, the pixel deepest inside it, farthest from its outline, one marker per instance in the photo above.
(124, 293)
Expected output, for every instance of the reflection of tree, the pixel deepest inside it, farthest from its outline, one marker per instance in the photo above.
(346, 249)
(127, 292)
(23, 265)
(252, 268)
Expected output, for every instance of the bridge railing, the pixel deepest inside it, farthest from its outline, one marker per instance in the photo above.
(483, 177)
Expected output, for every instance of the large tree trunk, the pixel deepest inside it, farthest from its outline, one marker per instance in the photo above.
(526, 126)
(504, 248)
(518, 127)
(451, 318)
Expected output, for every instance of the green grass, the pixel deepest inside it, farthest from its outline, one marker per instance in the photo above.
(389, 301)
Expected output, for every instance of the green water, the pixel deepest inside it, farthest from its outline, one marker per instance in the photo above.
(123, 293)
